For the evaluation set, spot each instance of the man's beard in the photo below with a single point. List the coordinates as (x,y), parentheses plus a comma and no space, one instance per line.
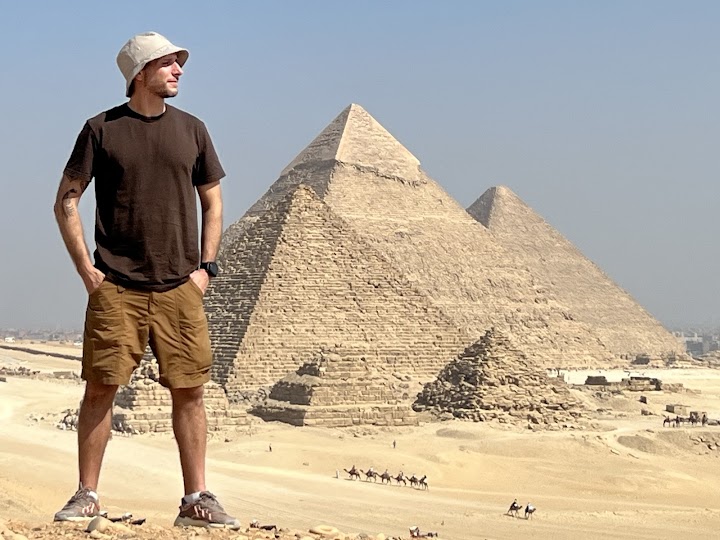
(162,91)
(165,93)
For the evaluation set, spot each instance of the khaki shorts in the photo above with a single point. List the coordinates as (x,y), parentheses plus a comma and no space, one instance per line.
(120,322)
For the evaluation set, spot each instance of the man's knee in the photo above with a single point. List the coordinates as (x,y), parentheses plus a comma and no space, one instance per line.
(188,396)
(98,393)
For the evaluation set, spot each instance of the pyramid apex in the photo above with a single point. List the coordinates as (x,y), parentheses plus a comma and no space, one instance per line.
(499,191)
(354,137)
(483,208)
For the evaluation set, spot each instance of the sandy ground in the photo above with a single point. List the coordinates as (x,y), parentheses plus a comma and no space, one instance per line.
(630,478)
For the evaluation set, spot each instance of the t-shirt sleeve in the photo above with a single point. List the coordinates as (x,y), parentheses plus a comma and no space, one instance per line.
(207,167)
(80,164)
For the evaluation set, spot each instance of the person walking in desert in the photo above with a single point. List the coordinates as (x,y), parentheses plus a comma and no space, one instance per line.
(150,161)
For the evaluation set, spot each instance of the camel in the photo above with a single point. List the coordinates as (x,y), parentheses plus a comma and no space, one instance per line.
(667,421)
(413,480)
(370,474)
(386,477)
(401,478)
(514,509)
(529,511)
(422,482)
(353,472)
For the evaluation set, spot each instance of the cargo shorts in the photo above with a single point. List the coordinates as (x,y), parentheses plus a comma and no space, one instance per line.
(121,322)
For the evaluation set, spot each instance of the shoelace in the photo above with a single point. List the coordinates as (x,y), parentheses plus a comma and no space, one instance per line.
(79,494)
(211,500)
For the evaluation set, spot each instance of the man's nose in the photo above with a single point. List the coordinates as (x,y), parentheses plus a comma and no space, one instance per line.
(177,70)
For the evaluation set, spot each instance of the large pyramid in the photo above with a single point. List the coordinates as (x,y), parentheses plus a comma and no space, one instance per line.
(590,295)
(420,238)
(299,280)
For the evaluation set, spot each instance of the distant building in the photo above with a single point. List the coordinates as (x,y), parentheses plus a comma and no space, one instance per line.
(698,344)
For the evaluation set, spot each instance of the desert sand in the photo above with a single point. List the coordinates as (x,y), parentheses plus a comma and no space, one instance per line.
(628,477)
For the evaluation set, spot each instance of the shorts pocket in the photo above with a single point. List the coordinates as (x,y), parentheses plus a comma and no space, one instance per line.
(195,287)
(193,324)
(104,317)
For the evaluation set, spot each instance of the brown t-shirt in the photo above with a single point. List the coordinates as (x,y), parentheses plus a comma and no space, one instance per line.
(146,171)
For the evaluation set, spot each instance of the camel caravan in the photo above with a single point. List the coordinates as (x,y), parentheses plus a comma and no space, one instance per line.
(515,508)
(694,419)
(371,474)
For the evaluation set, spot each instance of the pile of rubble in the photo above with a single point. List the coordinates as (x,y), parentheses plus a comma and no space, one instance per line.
(27,373)
(19,371)
(105,528)
(339,388)
(711,359)
(493,381)
(145,406)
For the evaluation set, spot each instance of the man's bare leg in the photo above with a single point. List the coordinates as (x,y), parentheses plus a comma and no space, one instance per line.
(94,424)
(190,427)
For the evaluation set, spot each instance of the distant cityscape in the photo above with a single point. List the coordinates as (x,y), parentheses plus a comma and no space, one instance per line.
(10,335)
(697,341)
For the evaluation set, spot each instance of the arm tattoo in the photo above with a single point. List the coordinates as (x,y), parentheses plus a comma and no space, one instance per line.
(73,193)
(68,207)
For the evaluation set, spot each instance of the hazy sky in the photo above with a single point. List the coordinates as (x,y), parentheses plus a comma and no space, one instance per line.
(601,116)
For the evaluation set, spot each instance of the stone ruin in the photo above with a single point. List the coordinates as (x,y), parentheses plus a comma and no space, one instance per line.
(677,408)
(25,372)
(591,297)
(336,389)
(633,383)
(711,359)
(494,381)
(19,371)
(145,405)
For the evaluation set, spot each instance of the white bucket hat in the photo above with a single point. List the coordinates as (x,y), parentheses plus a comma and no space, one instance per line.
(144,48)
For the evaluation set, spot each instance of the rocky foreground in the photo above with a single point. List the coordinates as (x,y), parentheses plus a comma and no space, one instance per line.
(101,528)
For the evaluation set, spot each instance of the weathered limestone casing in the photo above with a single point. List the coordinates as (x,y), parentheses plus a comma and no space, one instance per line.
(590,295)
(299,280)
(338,389)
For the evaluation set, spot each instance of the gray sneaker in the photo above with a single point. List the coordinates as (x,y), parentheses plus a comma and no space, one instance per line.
(206,512)
(81,506)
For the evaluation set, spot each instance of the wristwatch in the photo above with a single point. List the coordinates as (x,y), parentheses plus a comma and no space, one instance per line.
(211,268)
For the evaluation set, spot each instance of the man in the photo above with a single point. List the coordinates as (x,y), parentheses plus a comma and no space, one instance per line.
(514,508)
(148,280)
(529,511)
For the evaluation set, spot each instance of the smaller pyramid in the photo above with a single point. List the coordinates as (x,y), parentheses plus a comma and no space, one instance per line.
(493,381)
(591,297)
(145,406)
(338,389)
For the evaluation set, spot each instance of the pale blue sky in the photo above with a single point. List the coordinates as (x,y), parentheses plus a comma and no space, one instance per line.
(602,116)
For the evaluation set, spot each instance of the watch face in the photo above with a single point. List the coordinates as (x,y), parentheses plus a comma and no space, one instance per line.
(211,268)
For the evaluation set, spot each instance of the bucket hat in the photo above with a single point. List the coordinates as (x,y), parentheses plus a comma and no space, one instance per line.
(144,48)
